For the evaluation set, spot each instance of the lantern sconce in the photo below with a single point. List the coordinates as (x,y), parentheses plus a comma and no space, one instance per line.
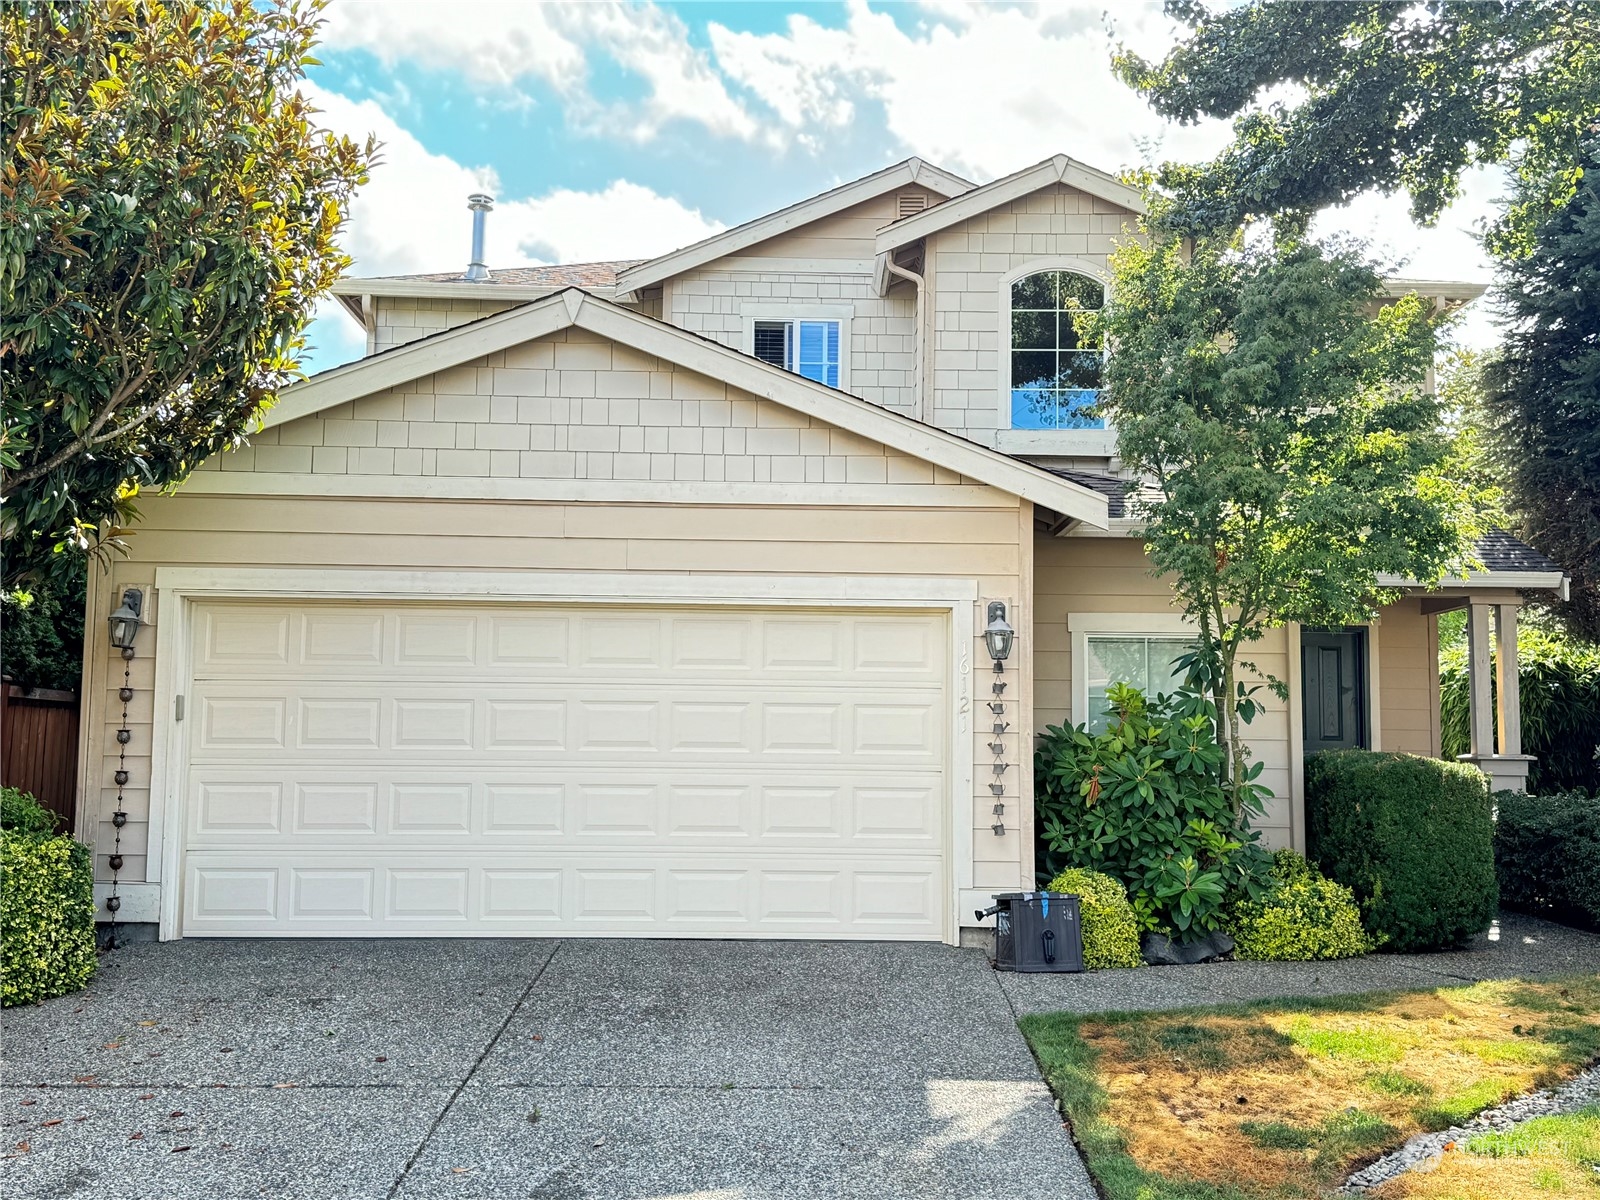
(125,621)
(998,635)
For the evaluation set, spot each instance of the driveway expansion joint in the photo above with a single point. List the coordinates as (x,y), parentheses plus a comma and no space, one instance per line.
(522,999)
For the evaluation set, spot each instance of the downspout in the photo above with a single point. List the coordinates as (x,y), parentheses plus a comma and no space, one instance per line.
(919,392)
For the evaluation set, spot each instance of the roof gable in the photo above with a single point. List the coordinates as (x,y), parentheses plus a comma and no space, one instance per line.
(786,220)
(1058,169)
(572,307)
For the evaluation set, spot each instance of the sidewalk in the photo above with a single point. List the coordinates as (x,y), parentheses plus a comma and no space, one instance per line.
(1515,947)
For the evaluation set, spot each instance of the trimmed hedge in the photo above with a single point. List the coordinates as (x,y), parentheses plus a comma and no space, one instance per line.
(1304,918)
(1547,854)
(1412,837)
(46,906)
(1110,930)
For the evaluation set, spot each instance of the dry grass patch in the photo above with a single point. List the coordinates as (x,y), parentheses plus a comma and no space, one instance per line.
(1285,1098)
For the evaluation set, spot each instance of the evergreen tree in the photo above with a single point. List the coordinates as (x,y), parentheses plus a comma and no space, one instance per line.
(1542,395)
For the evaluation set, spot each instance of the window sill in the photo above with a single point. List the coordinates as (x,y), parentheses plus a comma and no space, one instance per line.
(1100,443)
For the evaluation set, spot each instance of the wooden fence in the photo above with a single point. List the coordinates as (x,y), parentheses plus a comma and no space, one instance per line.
(39,746)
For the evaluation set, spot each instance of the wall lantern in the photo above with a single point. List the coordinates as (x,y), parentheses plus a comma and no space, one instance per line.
(125,621)
(998,635)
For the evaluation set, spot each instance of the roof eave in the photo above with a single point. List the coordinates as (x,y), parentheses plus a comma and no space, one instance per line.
(1057,169)
(731,241)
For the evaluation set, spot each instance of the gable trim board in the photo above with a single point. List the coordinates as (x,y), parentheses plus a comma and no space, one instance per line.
(182,589)
(574,307)
(1058,169)
(731,241)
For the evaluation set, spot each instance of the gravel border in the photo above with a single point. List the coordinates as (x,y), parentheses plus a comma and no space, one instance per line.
(1428,1148)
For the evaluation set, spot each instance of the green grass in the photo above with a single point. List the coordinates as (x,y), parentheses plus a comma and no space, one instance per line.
(1572,1136)
(1446,1111)
(1360,1046)
(1397,1083)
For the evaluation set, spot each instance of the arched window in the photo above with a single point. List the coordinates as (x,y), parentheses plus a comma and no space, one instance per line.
(1055,374)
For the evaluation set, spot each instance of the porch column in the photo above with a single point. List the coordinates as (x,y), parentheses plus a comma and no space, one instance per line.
(1508,695)
(1505,764)
(1480,721)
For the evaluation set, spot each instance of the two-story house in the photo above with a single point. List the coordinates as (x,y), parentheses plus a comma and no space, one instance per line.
(719,594)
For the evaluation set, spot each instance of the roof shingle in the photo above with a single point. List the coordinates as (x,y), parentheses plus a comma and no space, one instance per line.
(553,275)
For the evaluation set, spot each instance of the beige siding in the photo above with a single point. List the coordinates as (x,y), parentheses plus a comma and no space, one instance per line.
(814,271)
(547,394)
(966,264)
(1112,575)
(400,319)
(1407,659)
(852,233)
(574,406)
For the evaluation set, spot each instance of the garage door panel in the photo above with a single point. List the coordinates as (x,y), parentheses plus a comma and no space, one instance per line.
(435,641)
(531,723)
(385,769)
(391,895)
(397,806)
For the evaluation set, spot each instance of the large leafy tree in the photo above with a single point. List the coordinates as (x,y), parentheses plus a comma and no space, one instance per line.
(1279,407)
(1333,99)
(1541,399)
(169,220)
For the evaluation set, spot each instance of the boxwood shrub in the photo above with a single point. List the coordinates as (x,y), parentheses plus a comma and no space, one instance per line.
(1110,930)
(46,906)
(1411,837)
(1304,917)
(1547,854)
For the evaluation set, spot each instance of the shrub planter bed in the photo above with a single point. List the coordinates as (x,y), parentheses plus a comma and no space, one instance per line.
(46,906)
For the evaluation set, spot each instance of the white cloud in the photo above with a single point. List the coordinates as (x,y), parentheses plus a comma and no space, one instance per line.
(412,216)
(980,89)
(501,46)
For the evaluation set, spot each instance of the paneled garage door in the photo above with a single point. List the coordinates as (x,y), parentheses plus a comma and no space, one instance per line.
(385,769)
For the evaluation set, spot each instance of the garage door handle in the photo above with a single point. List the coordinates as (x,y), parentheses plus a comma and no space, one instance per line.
(1049,946)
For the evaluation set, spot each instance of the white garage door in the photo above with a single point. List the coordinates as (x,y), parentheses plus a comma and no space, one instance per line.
(384,769)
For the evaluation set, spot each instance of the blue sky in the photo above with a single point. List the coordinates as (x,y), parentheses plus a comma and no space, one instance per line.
(625,130)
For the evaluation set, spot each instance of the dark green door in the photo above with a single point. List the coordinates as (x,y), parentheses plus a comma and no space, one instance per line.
(1333,678)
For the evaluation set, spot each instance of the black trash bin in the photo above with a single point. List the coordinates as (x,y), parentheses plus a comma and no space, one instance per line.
(1036,931)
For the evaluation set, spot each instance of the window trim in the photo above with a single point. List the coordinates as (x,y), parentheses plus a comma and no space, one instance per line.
(1024,441)
(1083,626)
(749,314)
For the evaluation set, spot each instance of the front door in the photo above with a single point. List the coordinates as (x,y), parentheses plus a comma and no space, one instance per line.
(1333,674)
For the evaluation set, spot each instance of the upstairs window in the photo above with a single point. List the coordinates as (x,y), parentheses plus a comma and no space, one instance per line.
(809,348)
(1055,374)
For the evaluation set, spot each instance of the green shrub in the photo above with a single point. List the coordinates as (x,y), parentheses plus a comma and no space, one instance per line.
(46,905)
(21,813)
(1559,684)
(1547,854)
(1144,803)
(1411,837)
(1110,930)
(1305,917)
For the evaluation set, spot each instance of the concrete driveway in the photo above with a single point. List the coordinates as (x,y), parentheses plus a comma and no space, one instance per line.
(616,1069)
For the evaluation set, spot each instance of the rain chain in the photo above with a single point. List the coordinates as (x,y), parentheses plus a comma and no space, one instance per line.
(119,818)
(997,787)
(997,638)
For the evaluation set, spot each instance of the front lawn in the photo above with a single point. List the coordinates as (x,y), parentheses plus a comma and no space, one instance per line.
(1283,1099)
